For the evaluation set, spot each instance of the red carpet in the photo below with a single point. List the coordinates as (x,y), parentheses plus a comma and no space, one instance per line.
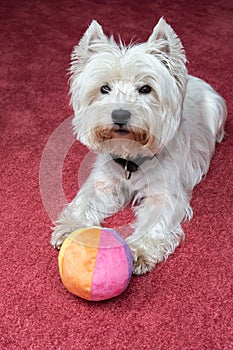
(185,303)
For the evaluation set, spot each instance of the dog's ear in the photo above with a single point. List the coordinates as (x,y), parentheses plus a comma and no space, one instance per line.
(165,40)
(94,35)
(90,43)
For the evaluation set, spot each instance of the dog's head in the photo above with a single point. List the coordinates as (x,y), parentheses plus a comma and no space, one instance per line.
(127,98)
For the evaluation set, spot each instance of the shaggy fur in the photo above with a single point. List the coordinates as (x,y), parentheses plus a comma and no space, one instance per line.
(138,104)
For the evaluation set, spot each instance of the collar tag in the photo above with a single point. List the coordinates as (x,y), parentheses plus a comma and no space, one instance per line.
(127,172)
(130,166)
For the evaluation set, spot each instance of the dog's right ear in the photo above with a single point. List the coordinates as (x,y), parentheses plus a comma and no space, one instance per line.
(90,43)
(93,36)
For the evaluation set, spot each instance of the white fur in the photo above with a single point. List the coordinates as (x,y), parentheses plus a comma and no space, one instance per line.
(182,118)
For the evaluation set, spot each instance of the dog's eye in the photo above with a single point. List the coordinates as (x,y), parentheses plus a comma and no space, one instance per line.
(105,89)
(145,89)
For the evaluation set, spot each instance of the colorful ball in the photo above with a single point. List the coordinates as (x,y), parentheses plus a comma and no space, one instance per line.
(95,263)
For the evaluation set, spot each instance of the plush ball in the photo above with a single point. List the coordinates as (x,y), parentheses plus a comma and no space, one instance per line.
(95,263)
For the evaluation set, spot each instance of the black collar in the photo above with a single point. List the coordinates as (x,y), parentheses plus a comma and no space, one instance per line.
(130,166)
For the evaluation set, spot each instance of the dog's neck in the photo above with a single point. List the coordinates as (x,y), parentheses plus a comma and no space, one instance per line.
(130,165)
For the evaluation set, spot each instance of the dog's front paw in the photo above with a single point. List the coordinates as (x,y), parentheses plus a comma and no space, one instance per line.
(61,230)
(143,261)
(58,237)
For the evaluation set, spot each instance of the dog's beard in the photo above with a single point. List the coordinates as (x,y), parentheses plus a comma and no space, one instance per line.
(124,141)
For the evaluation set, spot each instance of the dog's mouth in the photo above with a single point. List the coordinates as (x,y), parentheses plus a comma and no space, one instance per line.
(124,132)
(121,131)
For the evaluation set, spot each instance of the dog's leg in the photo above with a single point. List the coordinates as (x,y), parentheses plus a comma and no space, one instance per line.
(157,230)
(96,200)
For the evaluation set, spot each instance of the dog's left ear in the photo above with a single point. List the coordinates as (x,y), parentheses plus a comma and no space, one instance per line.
(164,39)
(165,45)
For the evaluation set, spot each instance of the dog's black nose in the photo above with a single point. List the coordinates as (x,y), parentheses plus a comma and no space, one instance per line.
(120,116)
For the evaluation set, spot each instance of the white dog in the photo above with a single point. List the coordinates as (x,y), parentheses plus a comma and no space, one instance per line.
(154,128)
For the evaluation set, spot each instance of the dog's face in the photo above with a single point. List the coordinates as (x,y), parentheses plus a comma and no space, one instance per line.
(127,99)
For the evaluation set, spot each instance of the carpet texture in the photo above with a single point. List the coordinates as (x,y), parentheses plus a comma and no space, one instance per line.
(186,302)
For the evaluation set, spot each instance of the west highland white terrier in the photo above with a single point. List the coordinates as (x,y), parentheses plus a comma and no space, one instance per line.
(154,129)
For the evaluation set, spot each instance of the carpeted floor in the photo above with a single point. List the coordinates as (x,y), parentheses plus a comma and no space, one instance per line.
(185,303)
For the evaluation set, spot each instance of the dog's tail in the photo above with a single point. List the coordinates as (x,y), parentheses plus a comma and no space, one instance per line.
(217,113)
